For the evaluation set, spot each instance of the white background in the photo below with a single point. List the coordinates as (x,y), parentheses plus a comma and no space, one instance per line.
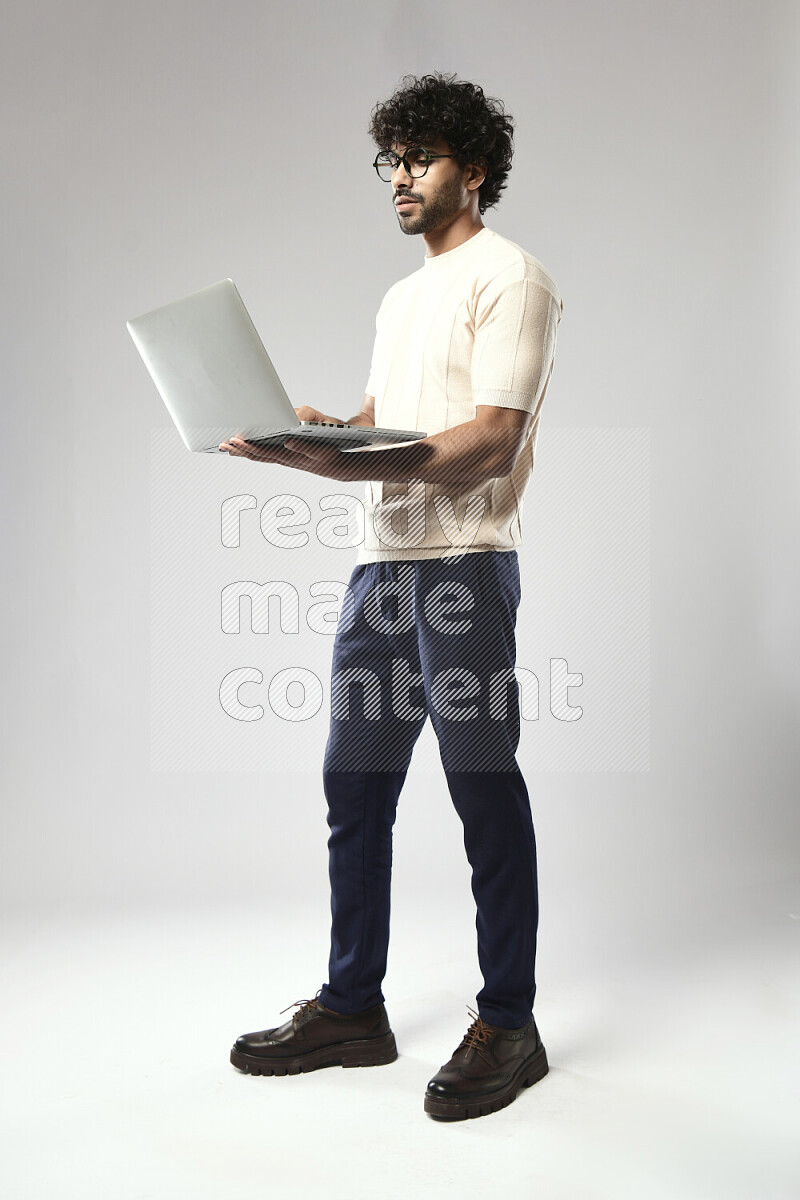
(152,915)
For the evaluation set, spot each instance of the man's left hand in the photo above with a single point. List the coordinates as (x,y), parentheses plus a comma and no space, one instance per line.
(298,453)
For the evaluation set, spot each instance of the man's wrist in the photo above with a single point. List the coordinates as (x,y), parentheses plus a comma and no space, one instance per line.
(361,419)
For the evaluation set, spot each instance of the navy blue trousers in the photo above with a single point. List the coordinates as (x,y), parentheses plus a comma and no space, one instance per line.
(418,638)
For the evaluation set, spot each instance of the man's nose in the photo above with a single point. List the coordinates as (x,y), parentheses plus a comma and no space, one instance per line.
(400,175)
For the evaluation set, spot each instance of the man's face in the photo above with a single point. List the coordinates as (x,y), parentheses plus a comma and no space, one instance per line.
(438,197)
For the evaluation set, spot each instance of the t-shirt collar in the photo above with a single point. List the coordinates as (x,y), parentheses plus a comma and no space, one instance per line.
(436,260)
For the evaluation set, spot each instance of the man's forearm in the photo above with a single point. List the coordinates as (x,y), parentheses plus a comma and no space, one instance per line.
(456,456)
(361,418)
(466,455)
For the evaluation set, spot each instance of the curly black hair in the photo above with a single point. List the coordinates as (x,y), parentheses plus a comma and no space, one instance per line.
(476,128)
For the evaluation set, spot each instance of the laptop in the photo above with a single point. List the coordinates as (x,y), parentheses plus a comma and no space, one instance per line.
(213,373)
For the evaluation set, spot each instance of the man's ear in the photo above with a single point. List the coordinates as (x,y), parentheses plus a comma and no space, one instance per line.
(479,170)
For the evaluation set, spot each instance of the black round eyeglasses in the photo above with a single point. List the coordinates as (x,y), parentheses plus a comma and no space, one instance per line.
(416,162)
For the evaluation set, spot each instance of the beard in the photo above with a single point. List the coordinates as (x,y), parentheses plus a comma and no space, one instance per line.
(429,214)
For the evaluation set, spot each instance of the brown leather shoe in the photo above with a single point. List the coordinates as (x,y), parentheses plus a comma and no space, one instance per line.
(486,1071)
(314,1037)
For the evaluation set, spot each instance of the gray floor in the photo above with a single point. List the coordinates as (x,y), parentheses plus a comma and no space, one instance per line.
(680,1082)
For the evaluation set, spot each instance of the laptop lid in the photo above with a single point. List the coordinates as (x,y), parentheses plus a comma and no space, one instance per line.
(211,368)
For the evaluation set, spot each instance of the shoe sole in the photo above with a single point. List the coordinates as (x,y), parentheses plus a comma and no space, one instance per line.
(461,1108)
(368,1052)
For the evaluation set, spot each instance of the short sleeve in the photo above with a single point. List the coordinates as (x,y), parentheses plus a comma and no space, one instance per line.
(515,341)
(376,368)
(373,366)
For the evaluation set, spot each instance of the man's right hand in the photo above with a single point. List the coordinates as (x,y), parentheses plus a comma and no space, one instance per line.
(307,413)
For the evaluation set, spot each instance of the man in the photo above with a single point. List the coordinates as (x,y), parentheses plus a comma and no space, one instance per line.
(464,349)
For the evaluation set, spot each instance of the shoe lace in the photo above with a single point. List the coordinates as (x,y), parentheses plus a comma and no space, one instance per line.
(477,1036)
(305,1006)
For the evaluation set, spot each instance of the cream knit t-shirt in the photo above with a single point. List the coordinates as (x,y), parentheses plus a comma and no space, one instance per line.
(475,325)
